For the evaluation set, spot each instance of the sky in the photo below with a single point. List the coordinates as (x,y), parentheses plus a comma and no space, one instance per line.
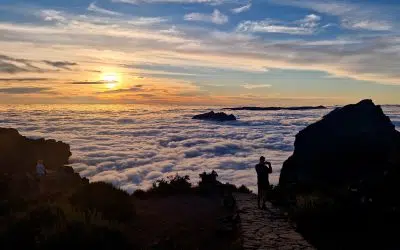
(200,52)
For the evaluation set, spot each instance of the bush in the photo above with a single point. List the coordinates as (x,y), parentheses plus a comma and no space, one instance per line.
(140,194)
(173,185)
(208,179)
(244,189)
(60,226)
(208,185)
(99,197)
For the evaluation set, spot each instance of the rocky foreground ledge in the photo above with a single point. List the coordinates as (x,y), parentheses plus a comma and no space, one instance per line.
(266,229)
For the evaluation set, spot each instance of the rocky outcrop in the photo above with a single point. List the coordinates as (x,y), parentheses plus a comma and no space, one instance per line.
(350,144)
(212,116)
(18,153)
(277,108)
(343,180)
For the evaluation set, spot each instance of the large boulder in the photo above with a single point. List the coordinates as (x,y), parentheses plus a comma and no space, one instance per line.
(212,116)
(352,144)
(20,154)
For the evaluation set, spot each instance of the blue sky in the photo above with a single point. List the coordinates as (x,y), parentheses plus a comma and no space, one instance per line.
(202,52)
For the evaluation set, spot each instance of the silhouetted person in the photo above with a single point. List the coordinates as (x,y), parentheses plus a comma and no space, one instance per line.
(263,169)
(40,169)
(40,174)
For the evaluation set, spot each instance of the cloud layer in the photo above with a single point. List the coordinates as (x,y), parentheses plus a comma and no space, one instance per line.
(215,17)
(132,145)
(306,26)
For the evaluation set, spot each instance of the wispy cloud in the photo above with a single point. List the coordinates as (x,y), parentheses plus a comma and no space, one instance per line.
(23,90)
(352,16)
(13,65)
(349,23)
(60,64)
(306,26)
(256,86)
(27,79)
(93,7)
(210,2)
(216,17)
(93,82)
(52,15)
(6,67)
(147,20)
(241,9)
(135,88)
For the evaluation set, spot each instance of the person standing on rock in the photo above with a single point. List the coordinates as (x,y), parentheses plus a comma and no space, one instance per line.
(263,169)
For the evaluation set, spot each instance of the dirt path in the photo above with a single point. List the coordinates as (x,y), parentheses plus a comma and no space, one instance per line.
(266,229)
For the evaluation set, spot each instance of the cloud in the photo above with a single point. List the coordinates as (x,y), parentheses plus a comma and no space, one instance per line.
(256,86)
(23,90)
(310,21)
(126,1)
(210,2)
(366,25)
(93,82)
(133,146)
(241,9)
(306,26)
(10,68)
(127,90)
(13,65)
(92,40)
(27,79)
(352,16)
(147,20)
(60,64)
(93,7)
(147,95)
(52,15)
(216,17)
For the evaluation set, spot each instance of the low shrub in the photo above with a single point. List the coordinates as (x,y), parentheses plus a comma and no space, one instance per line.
(103,198)
(140,194)
(244,189)
(60,226)
(171,186)
(208,185)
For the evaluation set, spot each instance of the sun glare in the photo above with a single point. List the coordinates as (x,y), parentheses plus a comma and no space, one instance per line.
(110,80)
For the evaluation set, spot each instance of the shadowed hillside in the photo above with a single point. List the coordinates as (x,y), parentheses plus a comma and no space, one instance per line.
(64,211)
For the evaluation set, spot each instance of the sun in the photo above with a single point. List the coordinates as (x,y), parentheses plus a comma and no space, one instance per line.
(110,80)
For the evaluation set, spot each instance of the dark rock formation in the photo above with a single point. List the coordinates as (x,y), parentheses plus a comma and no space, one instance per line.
(212,116)
(84,217)
(349,144)
(18,159)
(277,108)
(18,153)
(343,180)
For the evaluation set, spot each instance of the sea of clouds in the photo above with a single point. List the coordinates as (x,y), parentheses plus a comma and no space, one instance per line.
(131,146)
